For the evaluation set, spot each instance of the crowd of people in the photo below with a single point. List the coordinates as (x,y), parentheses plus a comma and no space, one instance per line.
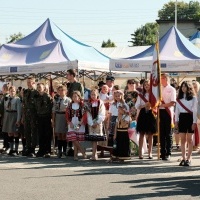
(101,115)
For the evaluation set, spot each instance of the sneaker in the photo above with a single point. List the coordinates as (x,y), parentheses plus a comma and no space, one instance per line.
(47,155)
(16,153)
(187,163)
(11,153)
(64,155)
(4,151)
(182,163)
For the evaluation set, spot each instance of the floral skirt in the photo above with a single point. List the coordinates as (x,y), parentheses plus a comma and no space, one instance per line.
(75,136)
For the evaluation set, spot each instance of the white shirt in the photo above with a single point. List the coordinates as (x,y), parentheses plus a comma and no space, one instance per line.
(169,95)
(75,120)
(114,108)
(191,105)
(140,101)
(104,97)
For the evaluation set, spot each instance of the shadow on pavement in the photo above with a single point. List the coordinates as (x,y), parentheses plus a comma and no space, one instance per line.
(170,187)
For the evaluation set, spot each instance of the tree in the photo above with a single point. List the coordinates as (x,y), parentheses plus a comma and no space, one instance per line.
(146,35)
(185,11)
(14,37)
(108,44)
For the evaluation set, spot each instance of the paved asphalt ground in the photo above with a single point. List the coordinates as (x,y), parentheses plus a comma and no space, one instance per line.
(25,178)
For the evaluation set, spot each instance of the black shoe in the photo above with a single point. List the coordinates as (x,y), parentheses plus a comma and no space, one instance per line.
(30,152)
(182,163)
(31,155)
(70,152)
(167,158)
(60,155)
(39,154)
(24,152)
(162,157)
(187,163)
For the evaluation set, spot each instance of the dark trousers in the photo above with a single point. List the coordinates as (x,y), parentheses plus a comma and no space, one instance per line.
(165,133)
(45,134)
(30,129)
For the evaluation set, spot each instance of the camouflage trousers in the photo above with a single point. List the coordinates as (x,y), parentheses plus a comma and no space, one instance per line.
(30,129)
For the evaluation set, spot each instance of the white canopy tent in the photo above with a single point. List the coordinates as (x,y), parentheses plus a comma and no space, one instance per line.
(49,49)
(177,54)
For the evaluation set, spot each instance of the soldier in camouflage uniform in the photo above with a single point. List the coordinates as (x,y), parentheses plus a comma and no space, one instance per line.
(44,104)
(30,117)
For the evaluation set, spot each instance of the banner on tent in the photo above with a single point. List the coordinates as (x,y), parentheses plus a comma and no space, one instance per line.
(39,68)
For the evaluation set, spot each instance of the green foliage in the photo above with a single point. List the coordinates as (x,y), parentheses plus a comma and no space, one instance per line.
(185,11)
(108,44)
(146,35)
(14,37)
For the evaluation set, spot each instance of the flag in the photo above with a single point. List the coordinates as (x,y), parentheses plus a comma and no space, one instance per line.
(155,89)
(51,90)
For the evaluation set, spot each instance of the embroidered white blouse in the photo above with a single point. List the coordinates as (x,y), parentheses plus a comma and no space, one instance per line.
(101,115)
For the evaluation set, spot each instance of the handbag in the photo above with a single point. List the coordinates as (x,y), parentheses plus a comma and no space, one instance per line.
(132,129)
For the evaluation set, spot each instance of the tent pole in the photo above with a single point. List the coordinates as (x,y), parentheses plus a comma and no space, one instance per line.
(78,73)
(176,14)
(146,75)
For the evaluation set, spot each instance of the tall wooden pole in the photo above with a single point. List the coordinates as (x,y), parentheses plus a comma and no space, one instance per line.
(160,95)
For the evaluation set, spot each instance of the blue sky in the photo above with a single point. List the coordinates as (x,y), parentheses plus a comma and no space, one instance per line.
(89,21)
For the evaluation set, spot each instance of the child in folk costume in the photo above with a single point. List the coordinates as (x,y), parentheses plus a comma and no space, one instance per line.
(12,118)
(113,113)
(60,103)
(76,118)
(145,116)
(122,150)
(107,99)
(95,117)
(186,119)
